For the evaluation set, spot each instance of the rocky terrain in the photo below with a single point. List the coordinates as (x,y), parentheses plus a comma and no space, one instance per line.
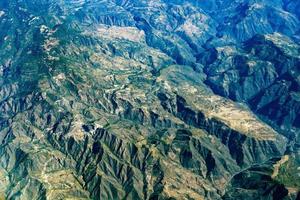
(149,99)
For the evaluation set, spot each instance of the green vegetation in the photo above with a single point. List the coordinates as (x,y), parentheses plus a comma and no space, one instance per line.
(289,174)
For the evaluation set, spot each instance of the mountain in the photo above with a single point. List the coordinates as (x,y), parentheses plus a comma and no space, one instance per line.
(149,99)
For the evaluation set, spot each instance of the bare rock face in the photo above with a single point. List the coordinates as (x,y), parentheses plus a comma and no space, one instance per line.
(128,99)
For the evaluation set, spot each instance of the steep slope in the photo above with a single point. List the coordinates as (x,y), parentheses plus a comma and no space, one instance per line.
(275,179)
(264,73)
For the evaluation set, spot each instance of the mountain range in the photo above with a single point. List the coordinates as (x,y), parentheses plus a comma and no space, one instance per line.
(150,99)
